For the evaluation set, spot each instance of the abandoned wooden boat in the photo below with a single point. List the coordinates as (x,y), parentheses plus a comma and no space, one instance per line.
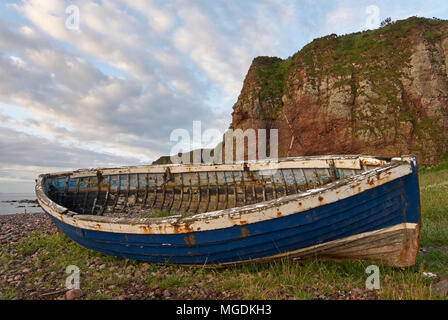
(355,207)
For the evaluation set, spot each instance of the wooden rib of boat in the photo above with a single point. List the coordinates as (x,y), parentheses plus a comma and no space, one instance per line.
(339,207)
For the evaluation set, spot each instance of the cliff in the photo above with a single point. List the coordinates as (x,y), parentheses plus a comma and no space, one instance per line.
(380,92)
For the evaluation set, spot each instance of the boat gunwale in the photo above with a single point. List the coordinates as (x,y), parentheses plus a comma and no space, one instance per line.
(179,224)
(251,165)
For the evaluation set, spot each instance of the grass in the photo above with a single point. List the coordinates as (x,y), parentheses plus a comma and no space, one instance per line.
(157,213)
(434,202)
(107,277)
(161,213)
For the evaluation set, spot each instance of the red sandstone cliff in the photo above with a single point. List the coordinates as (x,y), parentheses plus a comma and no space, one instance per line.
(379,92)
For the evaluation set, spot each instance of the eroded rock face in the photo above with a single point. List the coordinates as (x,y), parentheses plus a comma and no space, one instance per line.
(381,92)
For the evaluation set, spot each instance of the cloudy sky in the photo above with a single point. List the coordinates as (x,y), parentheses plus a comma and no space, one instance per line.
(109,90)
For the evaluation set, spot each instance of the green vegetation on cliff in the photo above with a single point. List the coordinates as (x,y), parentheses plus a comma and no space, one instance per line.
(272,73)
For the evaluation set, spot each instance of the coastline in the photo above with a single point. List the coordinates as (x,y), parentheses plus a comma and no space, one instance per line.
(18,203)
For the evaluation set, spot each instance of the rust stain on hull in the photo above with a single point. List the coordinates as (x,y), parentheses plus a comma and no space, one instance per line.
(279,213)
(184,228)
(190,240)
(146,229)
(244,232)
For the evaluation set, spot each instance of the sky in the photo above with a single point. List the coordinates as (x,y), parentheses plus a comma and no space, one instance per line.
(104,83)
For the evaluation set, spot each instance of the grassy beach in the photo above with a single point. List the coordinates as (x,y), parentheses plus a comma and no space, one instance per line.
(35,255)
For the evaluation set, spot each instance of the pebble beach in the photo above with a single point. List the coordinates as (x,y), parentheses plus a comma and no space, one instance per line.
(13,227)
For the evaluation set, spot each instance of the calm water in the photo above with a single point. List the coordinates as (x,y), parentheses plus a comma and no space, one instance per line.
(15,207)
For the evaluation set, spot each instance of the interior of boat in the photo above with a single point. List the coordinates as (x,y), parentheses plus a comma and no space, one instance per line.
(164,190)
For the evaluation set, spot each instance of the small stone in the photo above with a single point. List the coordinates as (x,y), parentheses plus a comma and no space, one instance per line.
(73,294)
(166,293)
(138,273)
(11,262)
(26,270)
(429,275)
(440,288)
(155,287)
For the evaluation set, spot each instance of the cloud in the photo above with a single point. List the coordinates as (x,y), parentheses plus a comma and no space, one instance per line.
(39,152)
(341,15)
(345,20)
(23,157)
(113,91)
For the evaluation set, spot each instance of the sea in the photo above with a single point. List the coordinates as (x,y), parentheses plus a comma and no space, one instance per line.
(7,207)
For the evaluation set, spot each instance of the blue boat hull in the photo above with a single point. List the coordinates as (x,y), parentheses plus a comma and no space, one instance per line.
(384,206)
